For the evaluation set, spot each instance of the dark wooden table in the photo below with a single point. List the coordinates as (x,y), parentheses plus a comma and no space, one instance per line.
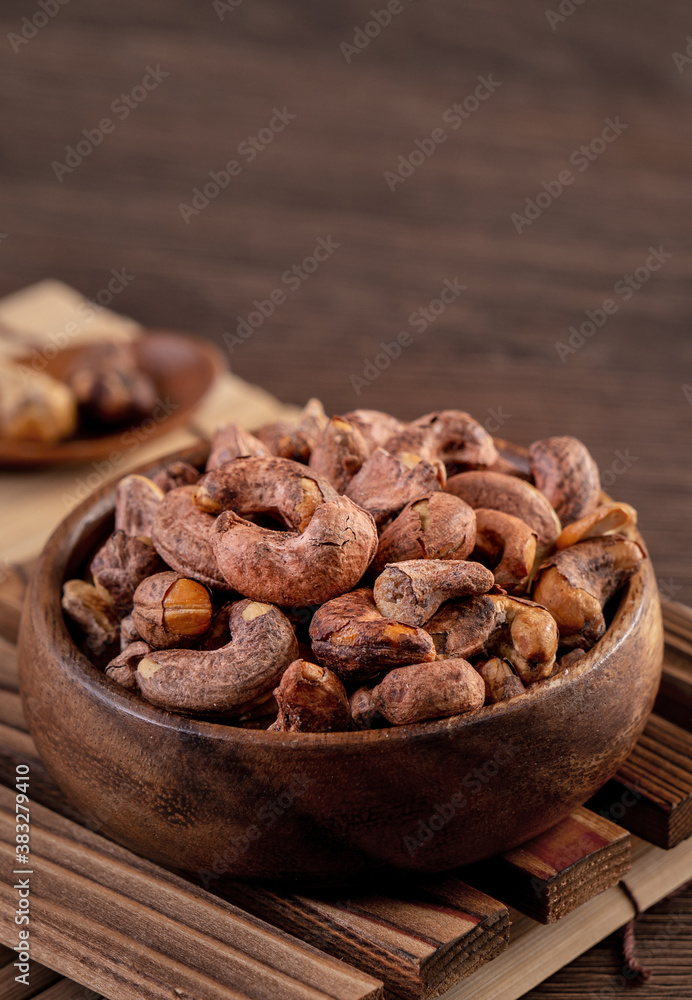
(242,69)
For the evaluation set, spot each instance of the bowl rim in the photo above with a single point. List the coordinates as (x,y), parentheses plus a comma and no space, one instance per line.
(52,567)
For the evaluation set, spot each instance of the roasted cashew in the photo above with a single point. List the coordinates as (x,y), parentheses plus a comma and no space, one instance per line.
(507,545)
(428,691)
(511,495)
(412,591)
(339,453)
(460,629)
(123,668)
(567,475)
(230,679)
(171,611)
(174,475)
(436,526)
(350,636)
(449,436)
(293,569)
(95,617)
(386,483)
(375,426)
(231,442)
(295,439)
(501,683)
(311,699)
(119,567)
(526,635)
(286,490)
(604,520)
(182,535)
(137,499)
(576,583)
(363,711)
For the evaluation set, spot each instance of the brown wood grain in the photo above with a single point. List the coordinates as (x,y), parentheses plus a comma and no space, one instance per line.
(39,979)
(549,876)
(163,930)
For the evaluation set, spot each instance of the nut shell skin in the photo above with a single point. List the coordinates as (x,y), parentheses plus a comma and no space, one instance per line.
(339,453)
(295,440)
(122,668)
(350,636)
(435,526)
(292,569)
(228,680)
(96,618)
(567,475)
(460,629)
(429,691)
(386,483)
(119,567)
(508,546)
(363,711)
(412,591)
(512,495)
(182,535)
(311,699)
(171,611)
(137,500)
(230,442)
(176,474)
(375,426)
(450,436)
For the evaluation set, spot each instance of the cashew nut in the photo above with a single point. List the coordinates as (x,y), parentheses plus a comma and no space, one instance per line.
(295,440)
(311,699)
(526,635)
(119,567)
(339,453)
(363,711)
(230,442)
(429,691)
(128,633)
(94,616)
(375,426)
(136,501)
(511,495)
(460,629)
(450,436)
(171,610)
(230,679)
(567,475)
(604,520)
(412,591)
(174,475)
(182,536)
(507,545)
(501,683)
(576,583)
(34,406)
(350,635)
(437,526)
(123,668)
(386,483)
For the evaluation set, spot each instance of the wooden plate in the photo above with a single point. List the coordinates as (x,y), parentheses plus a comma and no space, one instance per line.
(325,807)
(182,368)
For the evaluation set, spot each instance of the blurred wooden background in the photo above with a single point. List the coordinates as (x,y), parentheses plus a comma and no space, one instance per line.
(493,350)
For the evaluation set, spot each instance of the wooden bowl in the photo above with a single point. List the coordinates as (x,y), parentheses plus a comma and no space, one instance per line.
(182,368)
(327,808)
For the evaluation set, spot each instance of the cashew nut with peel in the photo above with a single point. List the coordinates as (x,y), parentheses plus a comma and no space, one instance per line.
(95,617)
(339,453)
(230,679)
(182,536)
(567,475)
(137,500)
(501,683)
(507,545)
(123,668)
(386,482)
(605,519)
(363,711)
(311,699)
(120,565)
(424,691)
(171,610)
(375,426)
(449,436)
(295,439)
(575,584)
(498,491)
(350,636)
(460,629)
(436,526)
(412,591)
(525,634)
(174,475)
(230,442)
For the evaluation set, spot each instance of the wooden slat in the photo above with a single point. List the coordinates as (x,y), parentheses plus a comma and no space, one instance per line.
(39,979)
(652,792)
(419,944)
(67,989)
(149,933)
(556,872)
(13,584)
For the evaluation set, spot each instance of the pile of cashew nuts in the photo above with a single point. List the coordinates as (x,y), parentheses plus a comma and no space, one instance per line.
(354,573)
